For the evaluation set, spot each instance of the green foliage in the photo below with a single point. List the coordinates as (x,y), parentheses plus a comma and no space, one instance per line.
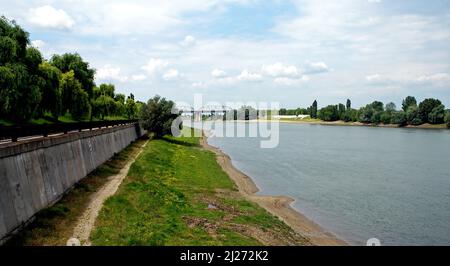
(427,106)
(20,85)
(408,102)
(51,91)
(413,117)
(313,110)
(103,106)
(329,113)
(348,104)
(131,108)
(157,116)
(371,113)
(74,98)
(391,107)
(437,115)
(82,72)
(399,118)
(385,118)
(447,118)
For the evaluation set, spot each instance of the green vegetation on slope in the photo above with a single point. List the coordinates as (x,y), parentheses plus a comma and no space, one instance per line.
(177,194)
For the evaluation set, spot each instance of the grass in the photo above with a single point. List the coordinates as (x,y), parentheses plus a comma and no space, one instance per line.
(176,194)
(54,225)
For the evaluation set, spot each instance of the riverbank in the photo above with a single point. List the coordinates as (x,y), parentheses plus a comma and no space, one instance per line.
(176,193)
(279,206)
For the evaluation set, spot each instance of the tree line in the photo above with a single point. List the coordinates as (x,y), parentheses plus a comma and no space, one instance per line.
(430,111)
(33,87)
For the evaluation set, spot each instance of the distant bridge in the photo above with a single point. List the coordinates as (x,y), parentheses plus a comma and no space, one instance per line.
(207,109)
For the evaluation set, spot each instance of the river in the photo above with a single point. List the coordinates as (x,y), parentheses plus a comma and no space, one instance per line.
(357,182)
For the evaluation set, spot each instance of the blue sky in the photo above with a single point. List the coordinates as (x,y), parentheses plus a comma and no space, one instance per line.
(291,52)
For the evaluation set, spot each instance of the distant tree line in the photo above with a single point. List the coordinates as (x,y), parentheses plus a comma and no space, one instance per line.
(430,111)
(32,87)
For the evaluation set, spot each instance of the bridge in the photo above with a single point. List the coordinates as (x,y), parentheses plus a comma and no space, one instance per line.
(207,109)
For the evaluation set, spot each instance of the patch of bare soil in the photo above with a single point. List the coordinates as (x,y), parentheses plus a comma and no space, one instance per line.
(86,221)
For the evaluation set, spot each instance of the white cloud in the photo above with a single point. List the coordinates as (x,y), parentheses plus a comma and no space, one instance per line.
(218,73)
(281,70)
(108,73)
(155,65)
(171,74)
(315,68)
(438,79)
(49,17)
(188,41)
(290,81)
(199,84)
(37,44)
(138,77)
(374,77)
(249,76)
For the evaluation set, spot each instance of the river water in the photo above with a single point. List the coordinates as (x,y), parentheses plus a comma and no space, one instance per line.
(357,182)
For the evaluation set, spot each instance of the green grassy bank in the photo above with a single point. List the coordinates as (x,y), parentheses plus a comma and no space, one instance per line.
(177,194)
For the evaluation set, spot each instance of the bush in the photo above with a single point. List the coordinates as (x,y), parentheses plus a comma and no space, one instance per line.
(399,118)
(157,116)
(447,118)
(329,113)
(385,118)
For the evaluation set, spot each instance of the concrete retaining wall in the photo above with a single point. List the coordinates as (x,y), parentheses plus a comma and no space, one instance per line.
(35,174)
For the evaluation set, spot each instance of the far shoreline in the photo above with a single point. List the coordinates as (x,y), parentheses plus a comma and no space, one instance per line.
(354,124)
(279,206)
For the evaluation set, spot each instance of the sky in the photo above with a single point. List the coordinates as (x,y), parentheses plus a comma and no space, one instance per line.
(290,52)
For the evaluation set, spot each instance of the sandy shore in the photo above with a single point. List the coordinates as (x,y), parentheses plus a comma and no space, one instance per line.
(279,206)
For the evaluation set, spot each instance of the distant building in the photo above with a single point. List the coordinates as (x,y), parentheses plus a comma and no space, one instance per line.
(290,116)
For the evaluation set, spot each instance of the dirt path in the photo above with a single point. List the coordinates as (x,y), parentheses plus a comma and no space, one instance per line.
(279,206)
(85,223)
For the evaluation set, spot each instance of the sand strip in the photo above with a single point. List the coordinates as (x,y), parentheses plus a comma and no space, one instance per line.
(279,206)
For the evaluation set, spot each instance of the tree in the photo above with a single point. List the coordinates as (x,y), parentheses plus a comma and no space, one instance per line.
(107,90)
(385,117)
(412,116)
(407,102)
(74,98)
(341,111)
(329,113)
(313,110)
(83,73)
(426,107)
(437,115)
(103,106)
(51,91)
(20,84)
(447,118)
(349,104)
(80,107)
(130,107)
(157,116)
(371,113)
(399,118)
(391,107)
